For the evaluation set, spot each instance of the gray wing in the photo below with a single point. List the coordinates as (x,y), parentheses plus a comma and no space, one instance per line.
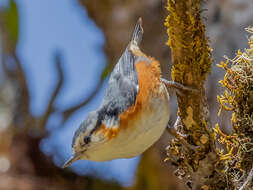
(123,86)
(123,83)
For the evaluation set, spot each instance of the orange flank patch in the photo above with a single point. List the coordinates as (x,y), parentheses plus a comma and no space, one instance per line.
(109,133)
(149,74)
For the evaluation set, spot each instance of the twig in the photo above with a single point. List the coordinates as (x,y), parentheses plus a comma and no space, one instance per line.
(20,74)
(23,102)
(249,179)
(50,107)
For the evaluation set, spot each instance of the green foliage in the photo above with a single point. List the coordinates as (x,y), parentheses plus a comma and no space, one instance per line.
(12,23)
(107,70)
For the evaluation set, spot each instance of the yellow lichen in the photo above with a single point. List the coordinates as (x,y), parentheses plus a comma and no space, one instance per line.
(238,98)
(191,64)
(181,39)
(204,139)
(204,187)
(188,120)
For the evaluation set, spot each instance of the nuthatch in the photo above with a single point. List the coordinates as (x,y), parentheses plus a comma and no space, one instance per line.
(134,112)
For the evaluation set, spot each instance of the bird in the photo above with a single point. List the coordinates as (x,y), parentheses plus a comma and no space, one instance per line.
(134,112)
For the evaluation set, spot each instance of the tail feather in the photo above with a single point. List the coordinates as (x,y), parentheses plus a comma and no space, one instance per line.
(126,63)
(138,32)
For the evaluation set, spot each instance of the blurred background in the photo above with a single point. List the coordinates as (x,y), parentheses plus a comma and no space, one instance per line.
(55,60)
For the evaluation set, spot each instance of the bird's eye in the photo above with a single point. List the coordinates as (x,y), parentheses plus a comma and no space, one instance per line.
(86,139)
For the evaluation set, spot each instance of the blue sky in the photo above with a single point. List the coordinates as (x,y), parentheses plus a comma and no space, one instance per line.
(45,27)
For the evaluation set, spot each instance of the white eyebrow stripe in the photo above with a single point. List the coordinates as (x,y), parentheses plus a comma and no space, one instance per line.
(111,122)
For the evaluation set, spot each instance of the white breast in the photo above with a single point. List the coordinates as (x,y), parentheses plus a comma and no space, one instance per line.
(136,139)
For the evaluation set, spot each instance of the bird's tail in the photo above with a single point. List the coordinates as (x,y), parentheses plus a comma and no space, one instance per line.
(138,32)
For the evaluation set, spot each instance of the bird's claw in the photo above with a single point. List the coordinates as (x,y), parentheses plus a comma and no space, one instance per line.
(181,137)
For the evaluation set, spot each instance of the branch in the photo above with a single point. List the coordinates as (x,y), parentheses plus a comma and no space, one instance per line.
(20,74)
(22,111)
(191,64)
(50,108)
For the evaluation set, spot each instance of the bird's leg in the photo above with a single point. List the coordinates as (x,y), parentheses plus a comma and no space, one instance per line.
(177,86)
(181,137)
(174,130)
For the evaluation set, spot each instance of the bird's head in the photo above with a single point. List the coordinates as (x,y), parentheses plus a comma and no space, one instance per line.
(85,138)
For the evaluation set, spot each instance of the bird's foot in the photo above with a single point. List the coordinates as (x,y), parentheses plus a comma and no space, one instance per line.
(181,137)
(178,87)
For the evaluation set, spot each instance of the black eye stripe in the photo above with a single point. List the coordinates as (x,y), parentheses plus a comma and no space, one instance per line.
(86,139)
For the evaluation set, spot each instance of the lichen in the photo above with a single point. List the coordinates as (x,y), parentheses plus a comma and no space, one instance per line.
(187,39)
(191,63)
(208,166)
(188,120)
(238,98)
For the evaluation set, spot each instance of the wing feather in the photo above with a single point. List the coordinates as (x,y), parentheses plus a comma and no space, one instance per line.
(123,83)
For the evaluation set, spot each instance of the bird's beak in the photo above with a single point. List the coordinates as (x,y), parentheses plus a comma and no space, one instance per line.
(74,158)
